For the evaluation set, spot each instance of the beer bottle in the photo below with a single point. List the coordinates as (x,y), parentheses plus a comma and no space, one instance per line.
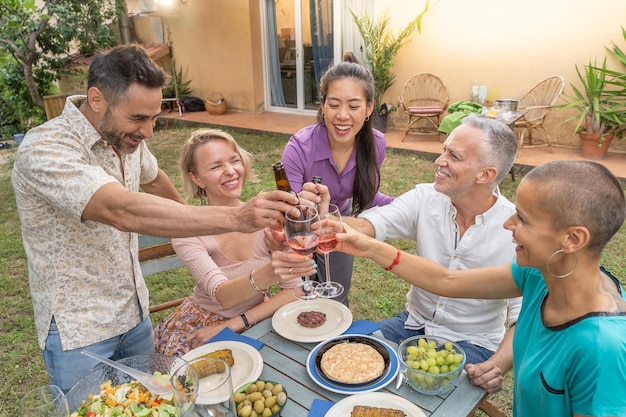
(282,182)
(321,208)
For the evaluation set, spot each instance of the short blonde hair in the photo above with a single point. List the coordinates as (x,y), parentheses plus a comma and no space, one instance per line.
(188,161)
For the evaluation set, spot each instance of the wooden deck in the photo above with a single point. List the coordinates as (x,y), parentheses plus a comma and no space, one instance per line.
(428,145)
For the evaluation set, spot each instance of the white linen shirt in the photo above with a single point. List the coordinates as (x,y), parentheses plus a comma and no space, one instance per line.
(428,216)
(84,273)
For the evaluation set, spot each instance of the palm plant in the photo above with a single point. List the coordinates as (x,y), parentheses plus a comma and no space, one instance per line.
(176,85)
(381,47)
(600,102)
(617,52)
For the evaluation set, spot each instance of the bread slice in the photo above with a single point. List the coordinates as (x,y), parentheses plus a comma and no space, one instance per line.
(367,411)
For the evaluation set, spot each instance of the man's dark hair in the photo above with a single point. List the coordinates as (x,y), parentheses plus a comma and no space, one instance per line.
(112,72)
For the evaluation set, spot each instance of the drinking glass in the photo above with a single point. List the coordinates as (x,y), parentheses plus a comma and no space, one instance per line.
(184,382)
(327,243)
(215,390)
(301,233)
(45,401)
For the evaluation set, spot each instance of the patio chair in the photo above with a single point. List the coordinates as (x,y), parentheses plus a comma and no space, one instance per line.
(54,105)
(424,97)
(536,104)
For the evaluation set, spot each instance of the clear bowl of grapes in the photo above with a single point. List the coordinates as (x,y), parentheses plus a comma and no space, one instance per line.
(431,365)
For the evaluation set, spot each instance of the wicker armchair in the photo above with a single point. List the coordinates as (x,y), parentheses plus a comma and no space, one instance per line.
(536,104)
(424,97)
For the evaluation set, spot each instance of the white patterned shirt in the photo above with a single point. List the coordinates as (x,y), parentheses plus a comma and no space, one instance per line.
(428,217)
(85,274)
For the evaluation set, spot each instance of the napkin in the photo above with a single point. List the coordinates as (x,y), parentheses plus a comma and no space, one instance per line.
(362,327)
(319,408)
(227,334)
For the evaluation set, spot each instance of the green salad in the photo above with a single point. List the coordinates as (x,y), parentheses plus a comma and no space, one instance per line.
(130,399)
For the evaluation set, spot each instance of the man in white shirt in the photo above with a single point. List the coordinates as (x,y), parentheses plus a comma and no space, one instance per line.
(457,222)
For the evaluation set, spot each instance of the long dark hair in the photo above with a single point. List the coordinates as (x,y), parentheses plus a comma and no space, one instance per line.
(367,177)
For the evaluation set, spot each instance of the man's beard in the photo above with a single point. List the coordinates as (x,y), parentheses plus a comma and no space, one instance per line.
(114,137)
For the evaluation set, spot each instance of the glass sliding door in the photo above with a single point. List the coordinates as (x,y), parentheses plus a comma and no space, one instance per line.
(299,48)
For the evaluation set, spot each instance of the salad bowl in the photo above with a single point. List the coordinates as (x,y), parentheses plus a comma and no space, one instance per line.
(91,383)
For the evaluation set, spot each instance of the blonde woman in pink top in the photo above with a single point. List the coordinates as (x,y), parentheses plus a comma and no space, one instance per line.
(233,271)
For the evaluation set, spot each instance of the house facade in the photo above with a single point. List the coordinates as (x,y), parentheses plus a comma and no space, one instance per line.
(268,55)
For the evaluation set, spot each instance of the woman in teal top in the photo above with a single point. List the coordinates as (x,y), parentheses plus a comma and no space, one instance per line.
(577,367)
(569,350)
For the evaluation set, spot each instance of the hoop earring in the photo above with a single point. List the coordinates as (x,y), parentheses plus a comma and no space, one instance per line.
(203,201)
(564,275)
(367,119)
(322,116)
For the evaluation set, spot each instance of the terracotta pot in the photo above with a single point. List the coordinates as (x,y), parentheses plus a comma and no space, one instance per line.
(590,145)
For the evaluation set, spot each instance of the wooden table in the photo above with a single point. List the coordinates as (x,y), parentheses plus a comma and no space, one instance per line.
(285,362)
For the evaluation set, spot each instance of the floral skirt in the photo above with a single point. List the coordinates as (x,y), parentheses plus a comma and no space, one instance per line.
(170,336)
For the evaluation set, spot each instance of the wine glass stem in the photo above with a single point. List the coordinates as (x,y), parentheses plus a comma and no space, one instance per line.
(327,266)
(306,285)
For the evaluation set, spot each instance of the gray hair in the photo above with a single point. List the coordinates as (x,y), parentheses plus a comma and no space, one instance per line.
(499,145)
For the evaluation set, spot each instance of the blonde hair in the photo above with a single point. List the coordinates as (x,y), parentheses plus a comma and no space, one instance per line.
(188,161)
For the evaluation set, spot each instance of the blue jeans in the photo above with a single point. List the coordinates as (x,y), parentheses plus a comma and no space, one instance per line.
(66,368)
(393,329)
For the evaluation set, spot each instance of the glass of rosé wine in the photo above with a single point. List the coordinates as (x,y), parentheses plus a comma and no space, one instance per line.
(301,234)
(327,243)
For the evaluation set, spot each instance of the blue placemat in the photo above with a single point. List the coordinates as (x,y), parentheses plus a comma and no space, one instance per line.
(319,408)
(362,327)
(227,334)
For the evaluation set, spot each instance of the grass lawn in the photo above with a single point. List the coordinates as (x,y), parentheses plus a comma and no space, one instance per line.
(375,294)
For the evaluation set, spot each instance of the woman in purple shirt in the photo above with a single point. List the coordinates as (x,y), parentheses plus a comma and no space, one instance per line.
(344,150)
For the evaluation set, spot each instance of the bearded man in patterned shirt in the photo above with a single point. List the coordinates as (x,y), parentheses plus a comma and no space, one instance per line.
(77,179)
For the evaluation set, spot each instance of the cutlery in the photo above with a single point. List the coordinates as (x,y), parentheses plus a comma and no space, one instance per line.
(400,380)
(154,384)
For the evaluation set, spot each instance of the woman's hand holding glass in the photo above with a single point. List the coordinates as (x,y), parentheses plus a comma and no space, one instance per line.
(289,265)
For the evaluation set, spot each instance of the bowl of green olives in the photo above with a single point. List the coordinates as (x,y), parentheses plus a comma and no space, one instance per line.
(260,399)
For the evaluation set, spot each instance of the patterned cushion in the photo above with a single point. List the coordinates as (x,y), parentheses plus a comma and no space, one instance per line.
(425,110)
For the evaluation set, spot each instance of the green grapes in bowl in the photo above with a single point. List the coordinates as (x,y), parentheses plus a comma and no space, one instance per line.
(260,399)
(432,365)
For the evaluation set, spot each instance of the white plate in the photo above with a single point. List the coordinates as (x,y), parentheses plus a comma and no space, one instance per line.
(248,361)
(390,373)
(285,320)
(375,399)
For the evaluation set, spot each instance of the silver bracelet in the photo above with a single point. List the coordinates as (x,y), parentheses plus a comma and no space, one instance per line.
(253,317)
(266,294)
(252,284)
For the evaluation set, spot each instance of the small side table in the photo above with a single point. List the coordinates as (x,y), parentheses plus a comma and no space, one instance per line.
(171,101)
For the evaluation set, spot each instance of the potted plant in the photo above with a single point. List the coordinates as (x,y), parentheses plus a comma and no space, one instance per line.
(601,107)
(381,46)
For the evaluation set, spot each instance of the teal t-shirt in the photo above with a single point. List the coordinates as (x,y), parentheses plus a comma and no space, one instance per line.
(578,367)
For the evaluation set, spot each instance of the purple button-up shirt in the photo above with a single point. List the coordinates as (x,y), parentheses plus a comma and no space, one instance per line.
(308,153)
